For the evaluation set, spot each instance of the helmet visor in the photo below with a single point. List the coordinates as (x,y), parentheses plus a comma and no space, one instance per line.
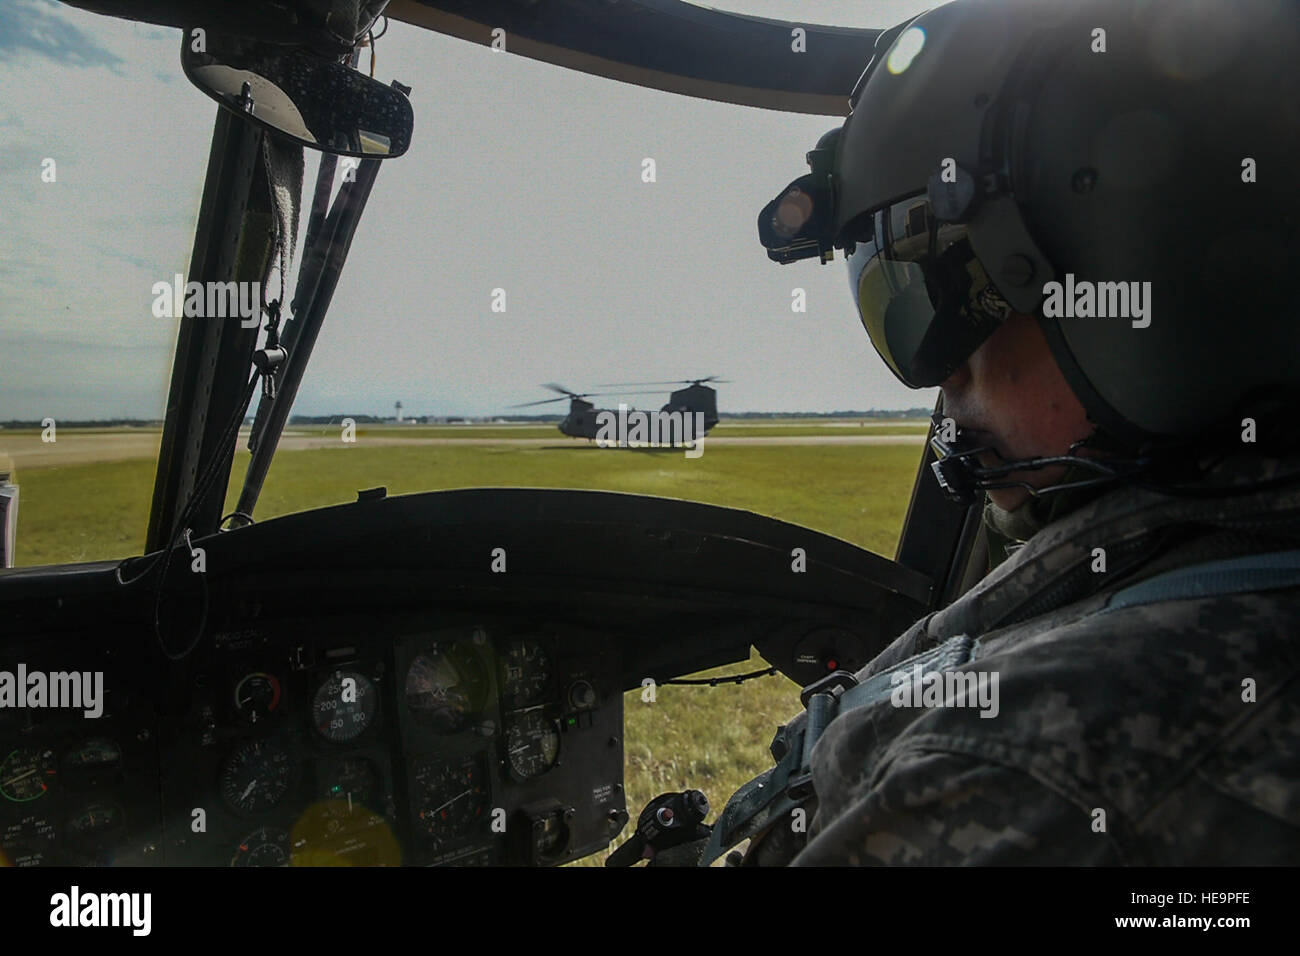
(922,295)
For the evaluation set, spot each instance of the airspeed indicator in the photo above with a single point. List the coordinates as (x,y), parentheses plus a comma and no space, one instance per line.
(344,705)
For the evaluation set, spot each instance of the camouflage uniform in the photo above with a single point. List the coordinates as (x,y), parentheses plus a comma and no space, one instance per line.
(1137,712)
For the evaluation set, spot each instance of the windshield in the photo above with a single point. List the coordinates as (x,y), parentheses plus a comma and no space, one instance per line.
(546,227)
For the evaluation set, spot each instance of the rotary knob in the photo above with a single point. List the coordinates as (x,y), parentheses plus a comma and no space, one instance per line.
(582,695)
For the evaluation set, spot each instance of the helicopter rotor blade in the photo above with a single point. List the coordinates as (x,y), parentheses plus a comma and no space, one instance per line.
(620,384)
(569,396)
(545,401)
(676,381)
(670,45)
(606,394)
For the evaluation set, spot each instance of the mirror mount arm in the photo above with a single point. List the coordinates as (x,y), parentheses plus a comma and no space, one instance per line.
(322,104)
(322,265)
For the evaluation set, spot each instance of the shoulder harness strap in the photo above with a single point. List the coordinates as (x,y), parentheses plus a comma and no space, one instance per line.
(1252,572)
(775,793)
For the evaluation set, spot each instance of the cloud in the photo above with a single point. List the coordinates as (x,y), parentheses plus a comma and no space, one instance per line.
(78,256)
(521,175)
(43,29)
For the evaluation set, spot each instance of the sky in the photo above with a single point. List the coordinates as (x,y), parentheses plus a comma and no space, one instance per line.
(521,175)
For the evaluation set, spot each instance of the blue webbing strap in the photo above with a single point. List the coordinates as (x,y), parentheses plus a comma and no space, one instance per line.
(1253,572)
(754,806)
(760,802)
(775,793)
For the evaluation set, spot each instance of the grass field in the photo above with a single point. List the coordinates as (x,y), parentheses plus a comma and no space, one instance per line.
(86,512)
(725,430)
(713,739)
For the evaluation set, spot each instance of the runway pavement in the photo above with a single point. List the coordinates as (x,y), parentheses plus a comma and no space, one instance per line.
(79,448)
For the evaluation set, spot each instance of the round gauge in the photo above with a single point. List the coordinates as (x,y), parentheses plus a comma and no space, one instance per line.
(344,706)
(256,696)
(353,779)
(532,744)
(92,763)
(27,774)
(452,797)
(268,846)
(96,752)
(527,674)
(97,824)
(28,842)
(256,776)
(446,686)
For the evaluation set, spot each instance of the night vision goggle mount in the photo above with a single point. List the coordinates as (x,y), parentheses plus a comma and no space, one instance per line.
(800,223)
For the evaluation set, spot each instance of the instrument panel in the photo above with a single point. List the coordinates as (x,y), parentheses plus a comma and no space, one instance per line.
(76,790)
(360,685)
(358,740)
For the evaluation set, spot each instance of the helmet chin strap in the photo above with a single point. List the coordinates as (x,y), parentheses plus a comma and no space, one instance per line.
(961,475)
(1182,468)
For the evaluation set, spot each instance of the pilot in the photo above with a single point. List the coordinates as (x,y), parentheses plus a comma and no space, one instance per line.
(1081,221)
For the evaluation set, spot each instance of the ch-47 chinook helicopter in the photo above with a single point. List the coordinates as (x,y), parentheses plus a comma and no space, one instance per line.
(585,420)
(370,649)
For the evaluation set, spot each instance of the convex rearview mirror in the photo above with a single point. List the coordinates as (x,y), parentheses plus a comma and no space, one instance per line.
(311,100)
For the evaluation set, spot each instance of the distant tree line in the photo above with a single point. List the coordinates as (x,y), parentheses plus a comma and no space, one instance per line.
(444,419)
(83,423)
(552,417)
(873,413)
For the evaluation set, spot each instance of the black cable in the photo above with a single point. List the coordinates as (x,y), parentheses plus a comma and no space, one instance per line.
(157,608)
(182,532)
(228,439)
(200,489)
